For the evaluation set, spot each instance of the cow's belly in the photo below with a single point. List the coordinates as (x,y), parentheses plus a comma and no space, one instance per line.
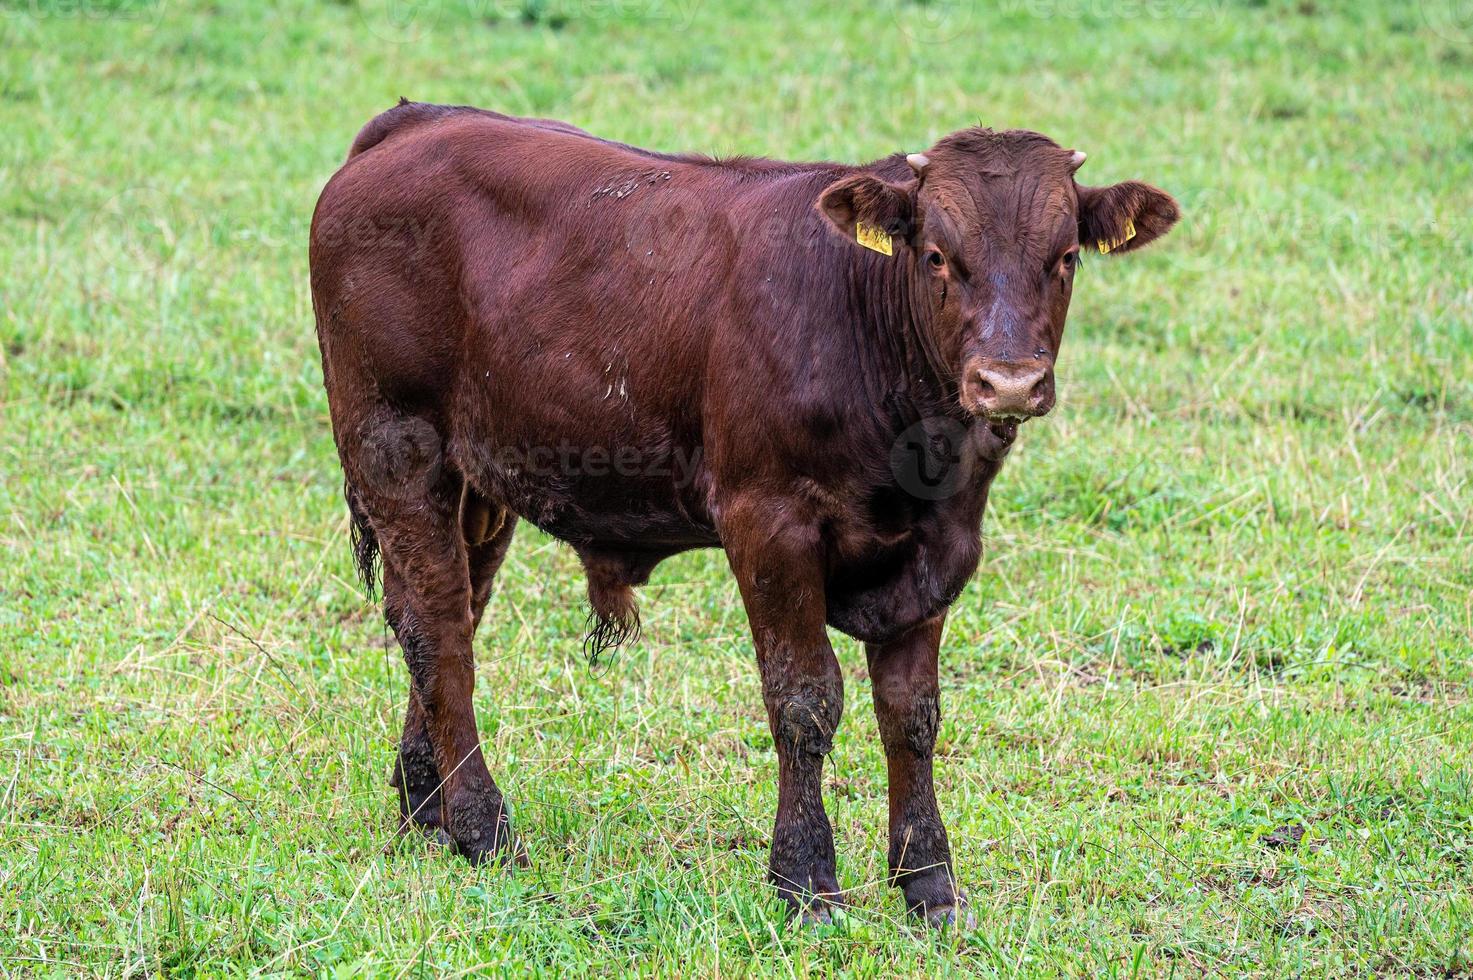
(595,498)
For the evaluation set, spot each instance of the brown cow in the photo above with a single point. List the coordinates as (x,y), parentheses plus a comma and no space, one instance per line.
(642,353)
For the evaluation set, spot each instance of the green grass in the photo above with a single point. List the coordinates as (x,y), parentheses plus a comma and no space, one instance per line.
(1226,589)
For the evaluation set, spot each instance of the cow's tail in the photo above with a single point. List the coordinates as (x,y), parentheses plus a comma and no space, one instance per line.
(365,542)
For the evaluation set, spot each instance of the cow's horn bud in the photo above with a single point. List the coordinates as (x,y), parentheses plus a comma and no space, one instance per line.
(918,162)
(1076,160)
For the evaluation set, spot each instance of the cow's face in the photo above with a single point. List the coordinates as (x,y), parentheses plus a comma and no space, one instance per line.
(990,229)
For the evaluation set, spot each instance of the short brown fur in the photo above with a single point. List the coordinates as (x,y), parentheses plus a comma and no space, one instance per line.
(643,353)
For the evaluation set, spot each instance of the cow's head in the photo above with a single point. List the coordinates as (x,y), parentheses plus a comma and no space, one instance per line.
(989,228)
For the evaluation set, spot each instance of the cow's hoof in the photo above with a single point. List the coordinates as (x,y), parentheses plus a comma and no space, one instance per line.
(480,827)
(511,854)
(419,789)
(822,909)
(421,817)
(413,827)
(818,914)
(951,917)
(936,899)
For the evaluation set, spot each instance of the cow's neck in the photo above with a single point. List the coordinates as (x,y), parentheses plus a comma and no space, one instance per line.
(901,362)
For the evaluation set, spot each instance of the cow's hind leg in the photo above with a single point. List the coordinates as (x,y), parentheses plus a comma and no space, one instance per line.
(486,529)
(411,497)
(416,776)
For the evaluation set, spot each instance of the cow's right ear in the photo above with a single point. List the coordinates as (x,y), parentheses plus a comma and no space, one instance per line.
(863,206)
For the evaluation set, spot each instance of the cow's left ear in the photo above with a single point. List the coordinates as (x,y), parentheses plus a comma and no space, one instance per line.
(863,206)
(1124,217)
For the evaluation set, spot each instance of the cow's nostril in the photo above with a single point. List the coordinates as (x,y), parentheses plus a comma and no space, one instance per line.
(984,387)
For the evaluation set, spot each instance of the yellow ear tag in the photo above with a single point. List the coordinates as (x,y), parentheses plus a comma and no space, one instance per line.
(1107,247)
(873,237)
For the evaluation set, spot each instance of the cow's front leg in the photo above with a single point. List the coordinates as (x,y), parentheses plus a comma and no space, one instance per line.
(903,672)
(779,571)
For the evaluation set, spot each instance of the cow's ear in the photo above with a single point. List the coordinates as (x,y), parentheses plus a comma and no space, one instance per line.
(1124,217)
(870,211)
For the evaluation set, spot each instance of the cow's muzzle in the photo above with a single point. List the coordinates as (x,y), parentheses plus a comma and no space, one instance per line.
(1008,391)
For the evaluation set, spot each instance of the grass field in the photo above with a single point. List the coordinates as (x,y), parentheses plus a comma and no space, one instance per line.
(1225,599)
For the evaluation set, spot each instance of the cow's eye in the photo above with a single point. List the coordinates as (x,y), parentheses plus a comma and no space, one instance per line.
(1071,259)
(935,260)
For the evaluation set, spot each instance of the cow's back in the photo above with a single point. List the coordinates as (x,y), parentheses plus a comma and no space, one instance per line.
(465,232)
(536,288)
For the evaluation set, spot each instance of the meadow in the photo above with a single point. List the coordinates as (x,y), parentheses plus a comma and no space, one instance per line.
(1205,704)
